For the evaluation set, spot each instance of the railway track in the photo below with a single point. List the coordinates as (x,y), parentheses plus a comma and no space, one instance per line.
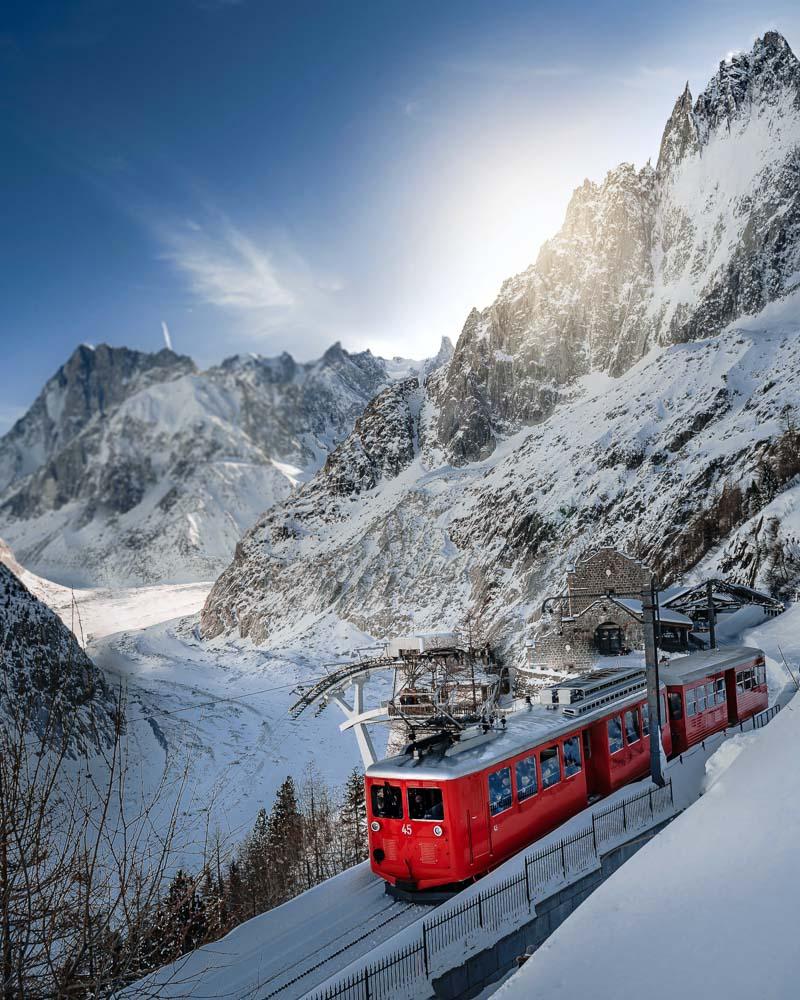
(337,947)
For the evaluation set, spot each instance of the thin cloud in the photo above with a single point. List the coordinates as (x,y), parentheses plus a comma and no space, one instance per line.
(225,267)
(645,77)
(501,71)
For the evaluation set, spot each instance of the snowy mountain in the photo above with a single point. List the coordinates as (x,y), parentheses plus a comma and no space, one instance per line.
(636,386)
(134,468)
(47,679)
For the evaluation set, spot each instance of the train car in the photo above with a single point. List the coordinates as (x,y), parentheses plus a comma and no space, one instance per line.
(713,689)
(451,808)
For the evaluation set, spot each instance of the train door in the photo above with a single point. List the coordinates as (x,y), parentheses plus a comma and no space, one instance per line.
(730,695)
(477,820)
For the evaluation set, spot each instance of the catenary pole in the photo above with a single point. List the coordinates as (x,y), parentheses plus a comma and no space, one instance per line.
(712,618)
(651,675)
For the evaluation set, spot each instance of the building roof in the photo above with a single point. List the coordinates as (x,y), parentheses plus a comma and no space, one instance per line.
(724,592)
(686,669)
(666,615)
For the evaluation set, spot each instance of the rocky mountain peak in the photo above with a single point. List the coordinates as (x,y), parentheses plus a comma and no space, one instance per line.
(680,133)
(335,354)
(747,81)
(91,383)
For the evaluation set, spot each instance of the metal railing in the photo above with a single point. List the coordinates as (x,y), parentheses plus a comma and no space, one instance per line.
(544,871)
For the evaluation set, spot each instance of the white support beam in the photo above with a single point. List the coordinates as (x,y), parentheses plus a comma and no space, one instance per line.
(355,716)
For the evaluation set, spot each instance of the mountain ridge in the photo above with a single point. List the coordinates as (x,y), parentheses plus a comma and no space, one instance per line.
(136,468)
(652,273)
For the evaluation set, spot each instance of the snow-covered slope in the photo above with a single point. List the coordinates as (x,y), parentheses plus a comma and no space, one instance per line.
(600,400)
(138,468)
(707,909)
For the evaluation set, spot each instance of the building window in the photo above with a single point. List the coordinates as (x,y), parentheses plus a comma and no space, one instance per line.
(632,734)
(572,756)
(387,801)
(425,803)
(500,797)
(615,734)
(525,773)
(551,768)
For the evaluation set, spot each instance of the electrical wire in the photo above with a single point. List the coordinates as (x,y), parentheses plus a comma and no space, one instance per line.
(214,701)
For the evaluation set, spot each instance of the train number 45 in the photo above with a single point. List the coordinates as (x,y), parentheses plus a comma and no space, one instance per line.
(407,829)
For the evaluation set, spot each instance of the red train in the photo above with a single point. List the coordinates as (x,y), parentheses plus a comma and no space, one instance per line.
(447,811)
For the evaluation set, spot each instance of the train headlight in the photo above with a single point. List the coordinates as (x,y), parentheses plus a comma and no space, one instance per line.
(437,831)
(374,826)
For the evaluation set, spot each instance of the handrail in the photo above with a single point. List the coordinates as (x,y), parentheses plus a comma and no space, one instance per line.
(544,871)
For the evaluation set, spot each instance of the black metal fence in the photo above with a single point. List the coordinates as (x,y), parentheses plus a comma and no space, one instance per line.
(543,872)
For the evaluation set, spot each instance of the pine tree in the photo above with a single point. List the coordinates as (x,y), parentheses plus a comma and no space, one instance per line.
(767,482)
(235,901)
(284,844)
(256,866)
(354,820)
(180,924)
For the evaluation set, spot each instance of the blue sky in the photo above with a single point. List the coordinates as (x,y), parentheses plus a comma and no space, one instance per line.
(276,176)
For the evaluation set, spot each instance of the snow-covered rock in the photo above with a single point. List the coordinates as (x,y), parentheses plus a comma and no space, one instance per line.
(137,468)
(47,682)
(634,387)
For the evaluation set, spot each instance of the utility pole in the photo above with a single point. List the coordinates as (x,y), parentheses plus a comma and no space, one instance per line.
(651,675)
(712,617)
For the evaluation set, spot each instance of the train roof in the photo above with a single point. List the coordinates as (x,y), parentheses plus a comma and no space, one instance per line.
(585,700)
(709,661)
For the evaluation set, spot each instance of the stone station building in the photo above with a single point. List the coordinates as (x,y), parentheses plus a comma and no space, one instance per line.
(584,626)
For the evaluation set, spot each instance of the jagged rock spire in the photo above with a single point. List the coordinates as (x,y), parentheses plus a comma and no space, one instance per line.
(680,133)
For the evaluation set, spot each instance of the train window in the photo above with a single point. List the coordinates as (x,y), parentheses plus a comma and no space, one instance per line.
(690,704)
(551,768)
(500,797)
(572,756)
(425,803)
(615,734)
(632,733)
(720,682)
(525,773)
(710,694)
(675,706)
(645,720)
(700,697)
(387,801)
(587,744)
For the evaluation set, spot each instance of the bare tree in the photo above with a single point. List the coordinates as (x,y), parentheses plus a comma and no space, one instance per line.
(81,880)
